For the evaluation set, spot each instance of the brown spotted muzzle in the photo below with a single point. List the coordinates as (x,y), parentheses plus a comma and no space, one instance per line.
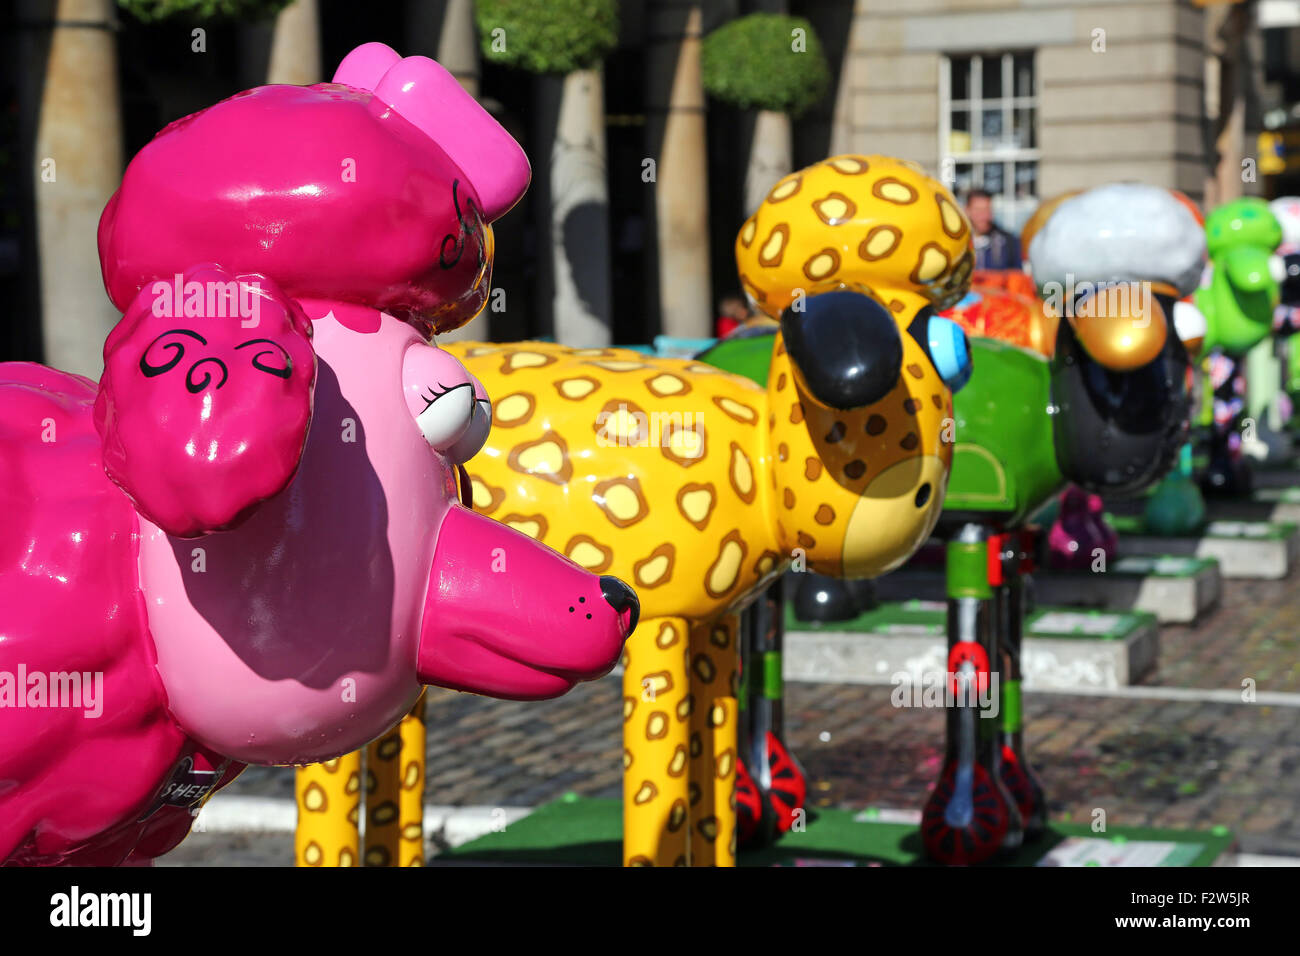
(846,348)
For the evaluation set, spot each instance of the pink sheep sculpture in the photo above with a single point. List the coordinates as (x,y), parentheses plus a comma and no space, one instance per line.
(245,544)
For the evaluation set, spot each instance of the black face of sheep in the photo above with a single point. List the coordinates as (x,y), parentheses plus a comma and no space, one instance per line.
(1118,432)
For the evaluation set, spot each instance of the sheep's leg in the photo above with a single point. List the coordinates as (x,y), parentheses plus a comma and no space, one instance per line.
(329,809)
(657,706)
(395,794)
(411,802)
(714,680)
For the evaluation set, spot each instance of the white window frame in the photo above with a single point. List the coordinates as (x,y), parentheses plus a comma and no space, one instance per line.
(1009,211)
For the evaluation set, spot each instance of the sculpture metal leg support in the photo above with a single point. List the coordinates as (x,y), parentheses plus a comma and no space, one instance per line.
(1017,775)
(969,816)
(755,818)
(776,775)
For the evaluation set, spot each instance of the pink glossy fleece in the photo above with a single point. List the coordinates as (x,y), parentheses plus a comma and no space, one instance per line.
(70,602)
(427,95)
(200,400)
(327,189)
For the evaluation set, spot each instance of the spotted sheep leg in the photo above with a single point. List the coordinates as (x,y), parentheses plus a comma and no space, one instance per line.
(658,714)
(714,678)
(394,766)
(329,809)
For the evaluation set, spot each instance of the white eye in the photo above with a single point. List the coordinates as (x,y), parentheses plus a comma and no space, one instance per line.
(447,416)
(468,445)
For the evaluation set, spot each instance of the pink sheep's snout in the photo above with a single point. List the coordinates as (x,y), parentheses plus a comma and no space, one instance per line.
(508,617)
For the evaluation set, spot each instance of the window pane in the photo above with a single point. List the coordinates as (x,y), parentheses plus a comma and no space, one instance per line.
(1024,71)
(959,135)
(1026,180)
(960,77)
(991,87)
(1024,136)
(993,180)
(964,179)
(991,129)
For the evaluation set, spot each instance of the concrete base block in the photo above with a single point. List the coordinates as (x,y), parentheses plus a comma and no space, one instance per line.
(1063,649)
(1177,590)
(1266,504)
(1137,584)
(1244,549)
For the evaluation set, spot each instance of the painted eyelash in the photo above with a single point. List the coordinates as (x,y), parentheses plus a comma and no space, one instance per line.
(434,395)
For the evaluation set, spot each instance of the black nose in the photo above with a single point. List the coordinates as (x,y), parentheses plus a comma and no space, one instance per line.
(621,598)
(845,346)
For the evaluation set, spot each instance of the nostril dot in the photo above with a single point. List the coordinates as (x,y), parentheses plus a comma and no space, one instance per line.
(923,495)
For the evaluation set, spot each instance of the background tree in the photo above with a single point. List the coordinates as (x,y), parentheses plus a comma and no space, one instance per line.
(772,63)
(150,10)
(564,42)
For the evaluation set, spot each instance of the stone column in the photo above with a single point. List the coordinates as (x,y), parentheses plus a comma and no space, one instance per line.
(676,136)
(770,156)
(445,31)
(458,44)
(1224,31)
(577,235)
(295,46)
(77,166)
(771,148)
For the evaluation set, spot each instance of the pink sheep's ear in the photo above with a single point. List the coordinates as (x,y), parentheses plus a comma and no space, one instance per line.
(365,66)
(430,98)
(206,398)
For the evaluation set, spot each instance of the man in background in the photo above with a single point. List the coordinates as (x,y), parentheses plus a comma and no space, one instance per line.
(995,248)
(733,312)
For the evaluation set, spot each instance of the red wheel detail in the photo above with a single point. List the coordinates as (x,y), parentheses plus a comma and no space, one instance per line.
(789,791)
(969,652)
(749,807)
(978,840)
(1017,783)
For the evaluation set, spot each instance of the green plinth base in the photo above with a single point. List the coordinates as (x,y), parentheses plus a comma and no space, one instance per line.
(589,833)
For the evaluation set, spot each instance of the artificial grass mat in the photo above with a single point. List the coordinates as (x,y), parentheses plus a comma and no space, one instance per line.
(585,832)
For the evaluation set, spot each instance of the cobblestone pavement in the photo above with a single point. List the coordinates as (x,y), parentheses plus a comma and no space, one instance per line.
(1254,632)
(1145,762)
